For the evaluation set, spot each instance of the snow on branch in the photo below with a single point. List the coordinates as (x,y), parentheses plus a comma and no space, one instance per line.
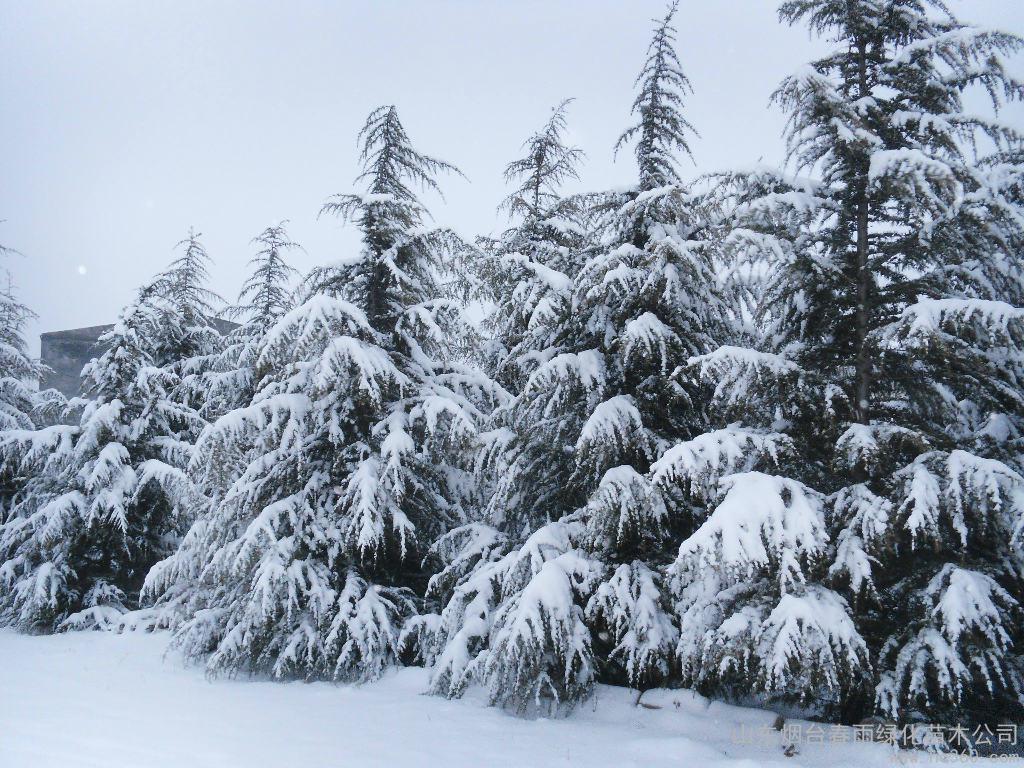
(516,623)
(962,489)
(309,326)
(372,367)
(739,371)
(364,634)
(701,463)
(541,653)
(929,319)
(867,518)
(630,604)
(762,520)
(624,507)
(648,337)
(864,444)
(809,635)
(612,426)
(26,449)
(585,369)
(962,642)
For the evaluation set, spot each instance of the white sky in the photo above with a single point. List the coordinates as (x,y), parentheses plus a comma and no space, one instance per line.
(123,123)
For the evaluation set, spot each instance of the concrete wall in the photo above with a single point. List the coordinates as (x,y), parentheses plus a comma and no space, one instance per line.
(67,352)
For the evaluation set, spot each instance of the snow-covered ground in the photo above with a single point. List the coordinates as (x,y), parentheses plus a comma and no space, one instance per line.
(116,701)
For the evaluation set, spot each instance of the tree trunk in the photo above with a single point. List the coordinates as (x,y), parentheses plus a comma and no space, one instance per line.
(863,359)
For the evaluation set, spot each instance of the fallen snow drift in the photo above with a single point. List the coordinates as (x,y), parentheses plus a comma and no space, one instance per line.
(116,701)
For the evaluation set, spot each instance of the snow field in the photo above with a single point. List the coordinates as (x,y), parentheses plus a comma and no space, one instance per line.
(102,700)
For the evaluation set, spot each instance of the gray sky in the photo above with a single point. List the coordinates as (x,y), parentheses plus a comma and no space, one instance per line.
(123,123)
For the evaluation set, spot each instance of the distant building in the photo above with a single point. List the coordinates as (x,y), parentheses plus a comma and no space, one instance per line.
(65,353)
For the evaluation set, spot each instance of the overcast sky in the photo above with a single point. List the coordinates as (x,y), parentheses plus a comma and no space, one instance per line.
(124,123)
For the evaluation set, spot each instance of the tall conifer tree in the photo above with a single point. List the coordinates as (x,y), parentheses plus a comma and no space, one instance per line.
(21,406)
(266,296)
(17,370)
(492,570)
(342,464)
(891,327)
(606,394)
(107,497)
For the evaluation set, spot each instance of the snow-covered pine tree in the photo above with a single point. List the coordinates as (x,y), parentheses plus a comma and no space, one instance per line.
(599,401)
(345,466)
(529,272)
(21,406)
(514,620)
(189,343)
(513,601)
(105,498)
(757,621)
(648,299)
(529,269)
(266,296)
(17,370)
(230,381)
(891,312)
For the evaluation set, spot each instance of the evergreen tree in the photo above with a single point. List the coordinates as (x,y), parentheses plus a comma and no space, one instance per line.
(648,299)
(512,615)
(17,370)
(229,383)
(598,399)
(756,623)
(530,267)
(515,619)
(189,342)
(266,296)
(330,485)
(530,273)
(890,350)
(21,406)
(660,130)
(105,498)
